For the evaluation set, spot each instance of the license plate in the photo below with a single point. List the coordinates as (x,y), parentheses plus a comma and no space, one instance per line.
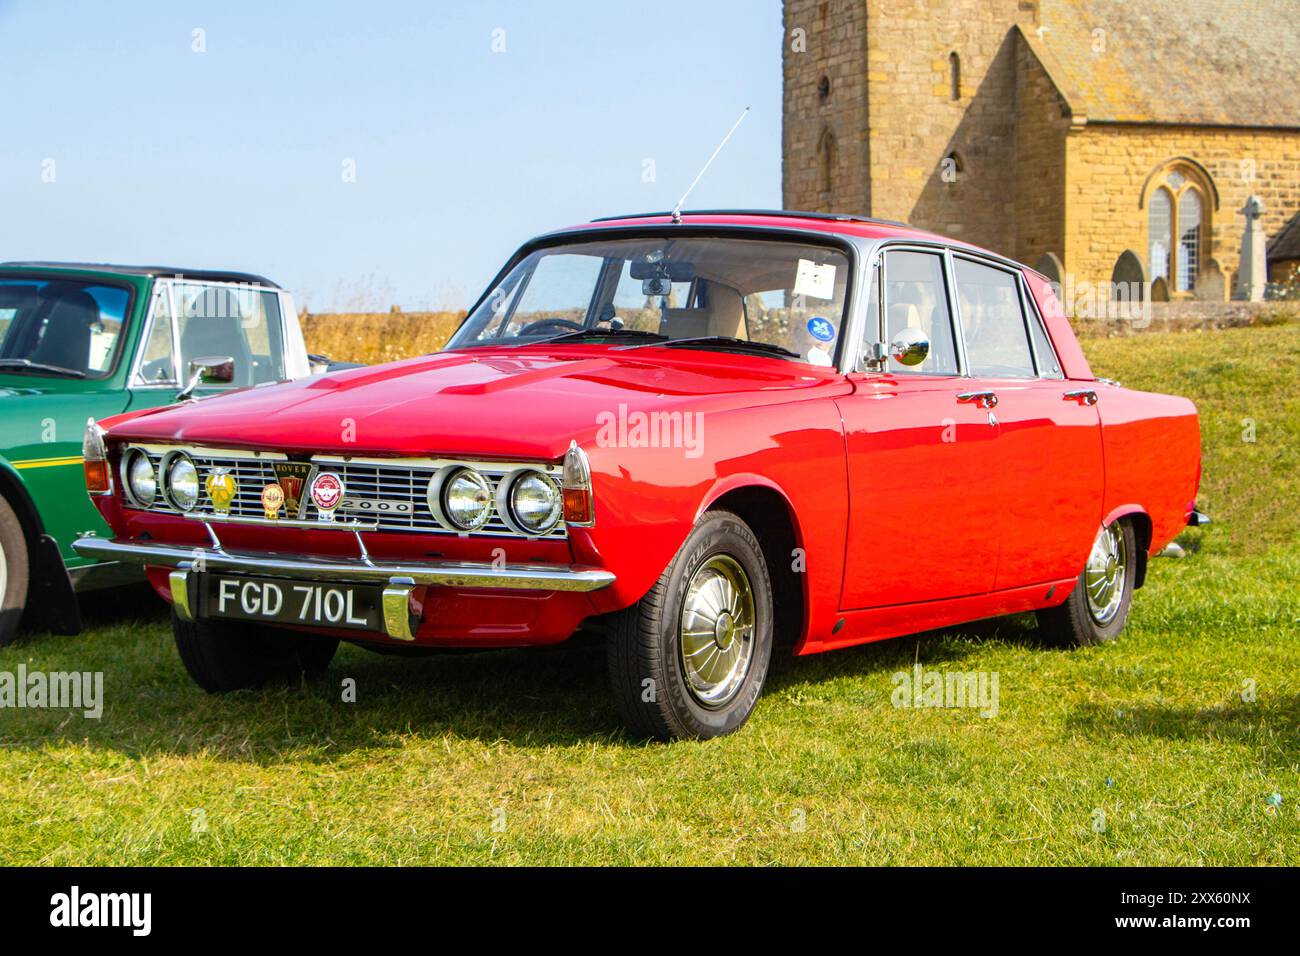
(275,601)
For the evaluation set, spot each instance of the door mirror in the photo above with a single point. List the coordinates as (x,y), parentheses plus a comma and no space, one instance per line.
(208,370)
(909,347)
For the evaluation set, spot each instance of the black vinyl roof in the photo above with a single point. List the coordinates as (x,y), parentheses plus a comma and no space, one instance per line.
(202,275)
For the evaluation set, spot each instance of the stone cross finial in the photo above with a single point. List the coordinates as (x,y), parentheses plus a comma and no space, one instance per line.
(1252,272)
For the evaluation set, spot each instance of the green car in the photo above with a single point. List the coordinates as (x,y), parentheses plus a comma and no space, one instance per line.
(82,342)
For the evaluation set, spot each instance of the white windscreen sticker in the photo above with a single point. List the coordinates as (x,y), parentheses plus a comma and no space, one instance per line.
(815,280)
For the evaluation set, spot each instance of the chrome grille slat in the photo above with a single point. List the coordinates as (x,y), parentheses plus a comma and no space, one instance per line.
(362,480)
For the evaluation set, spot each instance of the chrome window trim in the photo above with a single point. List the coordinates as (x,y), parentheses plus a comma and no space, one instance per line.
(136,383)
(1018,276)
(872,250)
(1031,306)
(168,283)
(880,255)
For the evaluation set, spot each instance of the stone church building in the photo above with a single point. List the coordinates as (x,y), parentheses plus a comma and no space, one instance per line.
(1098,140)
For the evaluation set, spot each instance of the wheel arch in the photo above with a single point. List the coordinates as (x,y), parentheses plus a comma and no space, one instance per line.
(1142,528)
(766,508)
(14,490)
(49,590)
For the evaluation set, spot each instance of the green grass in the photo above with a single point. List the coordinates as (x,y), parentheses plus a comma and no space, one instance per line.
(1143,752)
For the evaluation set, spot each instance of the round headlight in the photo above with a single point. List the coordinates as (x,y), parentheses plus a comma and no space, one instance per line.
(535,502)
(466,499)
(141,481)
(182,482)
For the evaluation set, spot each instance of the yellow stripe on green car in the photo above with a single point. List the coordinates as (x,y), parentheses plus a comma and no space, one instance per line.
(48,462)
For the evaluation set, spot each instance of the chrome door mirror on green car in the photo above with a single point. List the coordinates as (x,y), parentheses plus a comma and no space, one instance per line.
(208,370)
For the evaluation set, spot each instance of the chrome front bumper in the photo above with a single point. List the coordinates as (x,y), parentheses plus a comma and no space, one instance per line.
(398,578)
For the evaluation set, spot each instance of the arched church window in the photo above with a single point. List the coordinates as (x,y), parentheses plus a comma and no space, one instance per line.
(1178,201)
(954,75)
(1159,232)
(826,163)
(1189,240)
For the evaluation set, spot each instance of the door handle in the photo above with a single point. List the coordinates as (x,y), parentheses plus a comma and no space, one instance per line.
(1084,396)
(981,399)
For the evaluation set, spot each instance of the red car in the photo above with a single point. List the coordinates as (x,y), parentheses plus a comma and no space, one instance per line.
(704,435)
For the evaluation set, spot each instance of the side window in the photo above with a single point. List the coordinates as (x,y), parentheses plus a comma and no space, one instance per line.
(916,297)
(1048,366)
(997,345)
(156,365)
(243,322)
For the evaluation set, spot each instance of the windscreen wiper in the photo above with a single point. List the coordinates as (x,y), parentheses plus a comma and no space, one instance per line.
(597,333)
(726,343)
(27,365)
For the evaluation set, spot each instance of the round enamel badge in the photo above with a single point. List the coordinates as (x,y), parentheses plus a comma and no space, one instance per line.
(327,493)
(272,500)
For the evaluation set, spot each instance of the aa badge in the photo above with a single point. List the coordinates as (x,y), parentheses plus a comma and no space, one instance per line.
(272,501)
(222,486)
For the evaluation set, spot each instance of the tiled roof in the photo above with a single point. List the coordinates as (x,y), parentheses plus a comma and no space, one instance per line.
(1183,62)
(1285,244)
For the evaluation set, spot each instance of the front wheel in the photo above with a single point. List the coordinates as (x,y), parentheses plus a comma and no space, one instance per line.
(224,656)
(689,659)
(1097,609)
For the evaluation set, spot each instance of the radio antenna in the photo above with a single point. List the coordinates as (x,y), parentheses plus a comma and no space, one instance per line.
(677,209)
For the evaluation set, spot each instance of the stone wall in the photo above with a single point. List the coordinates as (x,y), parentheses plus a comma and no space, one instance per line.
(825,106)
(916,124)
(1107,166)
(1042,125)
(1191,315)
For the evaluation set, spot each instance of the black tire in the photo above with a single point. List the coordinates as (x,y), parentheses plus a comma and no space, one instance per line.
(223,656)
(14,572)
(1073,623)
(646,665)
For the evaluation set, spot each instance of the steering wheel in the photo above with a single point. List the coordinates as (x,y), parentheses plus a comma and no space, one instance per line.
(534,327)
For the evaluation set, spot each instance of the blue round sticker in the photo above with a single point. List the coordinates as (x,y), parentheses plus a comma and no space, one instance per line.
(821,329)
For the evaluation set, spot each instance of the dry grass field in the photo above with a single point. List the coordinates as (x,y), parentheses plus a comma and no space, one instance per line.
(374,337)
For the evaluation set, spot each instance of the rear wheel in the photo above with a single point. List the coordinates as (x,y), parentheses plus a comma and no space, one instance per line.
(1097,610)
(689,659)
(13,573)
(223,656)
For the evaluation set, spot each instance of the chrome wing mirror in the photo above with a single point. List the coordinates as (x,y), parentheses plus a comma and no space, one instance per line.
(909,347)
(208,370)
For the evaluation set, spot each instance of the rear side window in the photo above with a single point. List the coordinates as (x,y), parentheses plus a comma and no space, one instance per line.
(1048,366)
(916,297)
(992,321)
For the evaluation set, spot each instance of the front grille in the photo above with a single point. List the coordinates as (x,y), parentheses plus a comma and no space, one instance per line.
(394,496)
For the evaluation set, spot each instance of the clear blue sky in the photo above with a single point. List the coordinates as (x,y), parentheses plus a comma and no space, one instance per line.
(234,157)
